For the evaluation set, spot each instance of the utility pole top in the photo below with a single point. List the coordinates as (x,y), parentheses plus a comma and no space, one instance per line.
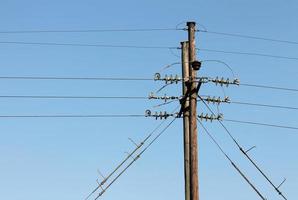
(183,43)
(191,23)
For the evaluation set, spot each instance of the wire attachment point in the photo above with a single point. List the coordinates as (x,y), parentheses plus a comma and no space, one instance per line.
(219,81)
(157,76)
(217,100)
(168,79)
(222,81)
(132,141)
(160,115)
(165,97)
(281,185)
(251,148)
(211,118)
(99,184)
(129,154)
(101,174)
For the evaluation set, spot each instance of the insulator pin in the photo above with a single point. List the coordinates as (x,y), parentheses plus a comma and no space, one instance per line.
(168,79)
(159,115)
(217,100)
(211,117)
(165,97)
(219,81)
(225,82)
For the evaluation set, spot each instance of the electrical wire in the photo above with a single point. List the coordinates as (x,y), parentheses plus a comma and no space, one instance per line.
(89,30)
(75,78)
(72,97)
(135,159)
(138,156)
(245,152)
(222,62)
(124,79)
(72,116)
(232,163)
(264,105)
(126,159)
(86,45)
(269,87)
(141,47)
(247,53)
(248,37)
(261,124)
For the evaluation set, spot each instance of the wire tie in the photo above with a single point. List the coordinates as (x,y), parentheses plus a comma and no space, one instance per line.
(250,149)
(101,174)
(281,183)
(129,155)
(132,141)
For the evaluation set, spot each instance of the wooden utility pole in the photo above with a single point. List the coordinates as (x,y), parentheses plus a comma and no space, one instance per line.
(185,108)
(194,185)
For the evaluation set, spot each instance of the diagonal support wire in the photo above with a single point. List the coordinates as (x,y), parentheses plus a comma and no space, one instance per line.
(124,161)
(134,160)
(232,163)
(245,153)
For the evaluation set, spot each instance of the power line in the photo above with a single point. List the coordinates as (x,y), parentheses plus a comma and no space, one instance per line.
(131,155)
(124,79)
(142,47)
(86,45)
(125,160)
(90,30)
(232,163)
(269,87)
(264,105)
(73,116)
(247,53)
(72,97)
(245,153)
(262,124)
(249,37)
(250,122)
(136,158)
(75,78)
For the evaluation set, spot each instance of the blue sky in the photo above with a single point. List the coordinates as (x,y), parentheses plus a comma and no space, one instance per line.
(58,158)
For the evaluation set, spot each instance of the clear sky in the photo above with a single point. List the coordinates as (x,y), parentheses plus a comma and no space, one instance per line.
(47,159)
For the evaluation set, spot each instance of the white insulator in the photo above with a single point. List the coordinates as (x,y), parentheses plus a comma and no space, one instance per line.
(157,76)
(147,113)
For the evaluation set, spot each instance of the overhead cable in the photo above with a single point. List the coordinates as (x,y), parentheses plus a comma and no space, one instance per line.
(76,78)
(247,53)
(264,105)
(261,124)
(85,45)
(135,159)
(88,30)
(125,160)
(248,37)
(245,153)
(269,87)
(232,163)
